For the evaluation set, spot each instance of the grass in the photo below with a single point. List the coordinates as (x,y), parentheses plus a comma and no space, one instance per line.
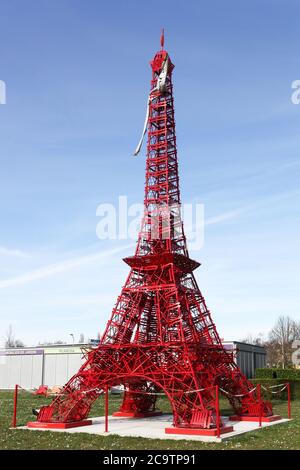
(283,436)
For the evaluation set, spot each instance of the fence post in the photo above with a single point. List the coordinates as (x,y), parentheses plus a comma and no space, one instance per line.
(289,399)
(259,401)
(217,410)
(14,420)
(106,408)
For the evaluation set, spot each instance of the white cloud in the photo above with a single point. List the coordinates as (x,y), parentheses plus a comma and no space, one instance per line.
(62,266)
(215,220)
(12,252)
(225,216)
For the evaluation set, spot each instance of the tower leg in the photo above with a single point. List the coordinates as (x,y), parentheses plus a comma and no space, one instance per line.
(139,401)
(189,390)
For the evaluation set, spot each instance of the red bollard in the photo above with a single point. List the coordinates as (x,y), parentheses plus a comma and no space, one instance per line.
(288,385)
(106,408)
(259,401)
(14,420)
(217,410)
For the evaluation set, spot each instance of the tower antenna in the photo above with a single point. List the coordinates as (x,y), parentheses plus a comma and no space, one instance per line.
(162,38)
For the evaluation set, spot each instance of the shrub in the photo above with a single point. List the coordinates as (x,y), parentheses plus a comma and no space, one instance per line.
(276,373)
(294,387)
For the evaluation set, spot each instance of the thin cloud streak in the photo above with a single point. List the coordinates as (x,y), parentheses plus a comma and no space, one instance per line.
(63,266)
(15,253)
(229,215)
(225,216)
(77,261)
(72,263)
(259,204)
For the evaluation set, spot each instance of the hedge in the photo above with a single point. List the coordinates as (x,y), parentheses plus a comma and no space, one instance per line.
(294,387)
(276,373)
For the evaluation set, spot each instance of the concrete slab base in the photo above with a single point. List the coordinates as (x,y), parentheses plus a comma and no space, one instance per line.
(154,428)
(75,424)
(255,419)
(198,431)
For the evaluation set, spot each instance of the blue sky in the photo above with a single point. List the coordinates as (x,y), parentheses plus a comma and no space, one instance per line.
(77,76)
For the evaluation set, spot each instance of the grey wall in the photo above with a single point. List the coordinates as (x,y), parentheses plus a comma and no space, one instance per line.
(248,361)
(25,370)
(30,369)
(244,361)
(59,368)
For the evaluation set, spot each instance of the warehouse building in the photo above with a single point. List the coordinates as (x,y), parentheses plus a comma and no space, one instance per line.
(56,364)
(248,357)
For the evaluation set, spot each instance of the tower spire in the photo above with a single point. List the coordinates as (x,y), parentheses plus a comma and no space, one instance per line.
(162,38)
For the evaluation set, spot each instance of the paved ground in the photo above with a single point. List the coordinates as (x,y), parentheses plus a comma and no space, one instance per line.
(154,428)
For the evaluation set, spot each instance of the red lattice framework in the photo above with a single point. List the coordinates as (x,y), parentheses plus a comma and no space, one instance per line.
(160,337)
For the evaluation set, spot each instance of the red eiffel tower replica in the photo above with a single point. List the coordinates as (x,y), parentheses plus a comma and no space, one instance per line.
(160,337)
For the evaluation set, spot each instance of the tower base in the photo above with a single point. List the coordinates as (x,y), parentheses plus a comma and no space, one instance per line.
(199,431)
(255,419)
(73,424)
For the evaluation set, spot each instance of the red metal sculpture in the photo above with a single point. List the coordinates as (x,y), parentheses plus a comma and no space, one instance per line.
(160,337)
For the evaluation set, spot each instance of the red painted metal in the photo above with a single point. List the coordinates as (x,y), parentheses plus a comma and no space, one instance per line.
(14,420)
(255,419)
(73,424)
(106,408)
(42,390)
(160,337)
(199,432)
(288,386)
(217,411)
(259,403)
(162,38)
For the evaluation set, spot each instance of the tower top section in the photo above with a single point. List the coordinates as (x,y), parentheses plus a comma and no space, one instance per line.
(161,59)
